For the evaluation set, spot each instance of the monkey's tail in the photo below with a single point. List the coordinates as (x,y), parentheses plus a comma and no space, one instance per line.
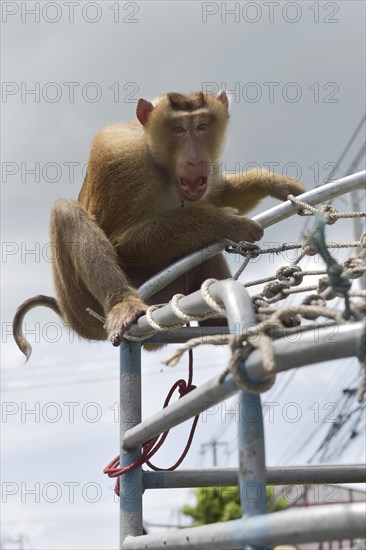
(22,310)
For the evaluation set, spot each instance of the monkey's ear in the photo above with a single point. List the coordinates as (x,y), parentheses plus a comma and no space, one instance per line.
(143,111)
(224,99)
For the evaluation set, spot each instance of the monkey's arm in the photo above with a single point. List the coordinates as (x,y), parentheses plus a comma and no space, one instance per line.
(245,191)
(181,231)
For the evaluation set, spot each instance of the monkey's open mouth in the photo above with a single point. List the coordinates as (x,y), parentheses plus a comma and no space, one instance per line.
(193,190)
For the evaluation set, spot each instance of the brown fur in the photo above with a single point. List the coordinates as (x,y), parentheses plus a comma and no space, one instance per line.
(189,103)
(128,222)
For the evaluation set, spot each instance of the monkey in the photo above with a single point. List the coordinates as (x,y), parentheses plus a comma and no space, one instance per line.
(151,195)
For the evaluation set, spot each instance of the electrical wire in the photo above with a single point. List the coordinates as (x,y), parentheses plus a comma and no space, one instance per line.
(357,159)
(72,381)
(346,149)
(337,165)
(290,452)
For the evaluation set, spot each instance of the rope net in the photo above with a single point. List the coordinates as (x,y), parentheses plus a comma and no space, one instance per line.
(334,281)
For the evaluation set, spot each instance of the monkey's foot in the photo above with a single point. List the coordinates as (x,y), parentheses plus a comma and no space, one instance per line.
(122,316)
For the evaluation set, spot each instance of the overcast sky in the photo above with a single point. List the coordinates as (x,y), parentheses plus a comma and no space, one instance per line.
(297,73)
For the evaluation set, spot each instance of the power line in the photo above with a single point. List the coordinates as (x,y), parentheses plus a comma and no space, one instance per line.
(337,166)
(357,159)
(71,382)
(290,452)
(346,149)
(50,366)
(338,438)
(214,444)
(83,381)
(286,381)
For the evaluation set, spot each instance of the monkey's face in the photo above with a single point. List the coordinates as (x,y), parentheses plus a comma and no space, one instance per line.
(185,134)
(190,137)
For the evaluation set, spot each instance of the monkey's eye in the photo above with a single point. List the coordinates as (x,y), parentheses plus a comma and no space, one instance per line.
(202,126)
(178,129)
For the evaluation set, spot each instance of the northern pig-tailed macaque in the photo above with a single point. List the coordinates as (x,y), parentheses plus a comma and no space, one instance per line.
(149,197)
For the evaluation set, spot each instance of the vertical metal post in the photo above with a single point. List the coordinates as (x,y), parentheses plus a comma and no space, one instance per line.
(130,415)
(252,472)
(252,467)
(357,229)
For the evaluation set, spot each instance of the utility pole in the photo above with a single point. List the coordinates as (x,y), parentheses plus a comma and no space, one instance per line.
(354,204)
(357,228)
(214,444)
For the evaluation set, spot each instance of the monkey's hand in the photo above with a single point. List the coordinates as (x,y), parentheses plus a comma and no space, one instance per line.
(283,186)
(245,229)
(121,317)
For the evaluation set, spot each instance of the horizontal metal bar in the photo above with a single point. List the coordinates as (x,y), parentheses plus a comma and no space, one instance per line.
(266,219)
(322,193)
(193,304)
(276,475)
(313,347)
(181,335)
(293,526)
(181,266)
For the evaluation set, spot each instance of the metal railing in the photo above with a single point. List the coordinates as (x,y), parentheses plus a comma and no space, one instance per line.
(256,528)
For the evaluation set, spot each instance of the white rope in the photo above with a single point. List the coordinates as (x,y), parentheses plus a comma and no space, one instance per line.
(209,299)
(186,317)
(154,324)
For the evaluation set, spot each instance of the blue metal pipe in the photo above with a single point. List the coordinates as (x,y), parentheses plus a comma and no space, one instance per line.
(130,416)
(252,472)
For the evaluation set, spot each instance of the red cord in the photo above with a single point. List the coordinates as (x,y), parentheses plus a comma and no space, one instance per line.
(153,445)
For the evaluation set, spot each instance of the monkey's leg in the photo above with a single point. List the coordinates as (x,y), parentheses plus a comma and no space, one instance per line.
(245,190)
(86,274)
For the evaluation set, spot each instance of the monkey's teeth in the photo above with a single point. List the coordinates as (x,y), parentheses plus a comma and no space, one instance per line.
(193,188)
